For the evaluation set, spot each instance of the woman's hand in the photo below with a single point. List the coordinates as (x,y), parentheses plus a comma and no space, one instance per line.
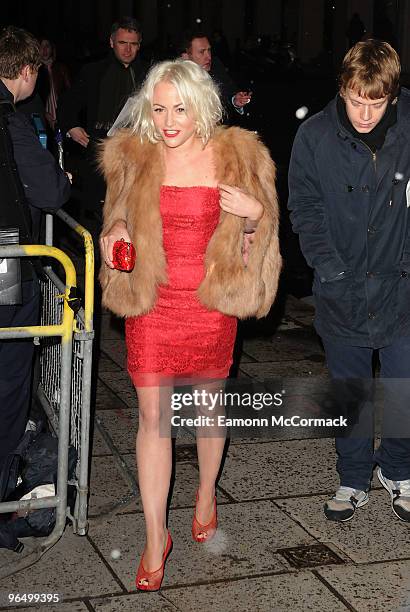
(239,203)
(116,232)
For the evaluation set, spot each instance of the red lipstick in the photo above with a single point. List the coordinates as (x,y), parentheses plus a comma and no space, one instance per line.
(171,133)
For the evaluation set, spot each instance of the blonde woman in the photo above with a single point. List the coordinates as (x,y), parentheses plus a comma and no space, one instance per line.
(198,202)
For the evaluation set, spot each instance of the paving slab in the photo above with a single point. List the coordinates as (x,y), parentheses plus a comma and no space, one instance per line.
(121,424)
(294,304)
(307,386)
(107,485)
(99,447)
(245,358)
(241,374)
(299,310)
(304,319)
(287,346)
(116,349)
(245,545)
(185,436)
(72,606)
(72,568)
(106,364)
(121,384)
(137,602)
(378,587)
(296,592)
(185,484)
(274,469)
(288,383)
(285,369)
(184,488)
(374,533)
(286,324)
(112,328)
(123,437)
(106,399)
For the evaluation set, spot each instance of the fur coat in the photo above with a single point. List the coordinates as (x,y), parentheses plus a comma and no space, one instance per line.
(134,173)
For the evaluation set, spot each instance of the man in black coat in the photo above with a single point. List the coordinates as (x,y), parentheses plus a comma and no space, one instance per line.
(349,196)
(196,47)
(100,91)
(30,181)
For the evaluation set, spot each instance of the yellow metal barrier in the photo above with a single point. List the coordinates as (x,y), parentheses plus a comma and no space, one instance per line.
(66,328)
(89,267)
(65,381)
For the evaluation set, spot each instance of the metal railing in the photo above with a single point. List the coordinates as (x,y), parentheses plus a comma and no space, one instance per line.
(81,366)
(66,335)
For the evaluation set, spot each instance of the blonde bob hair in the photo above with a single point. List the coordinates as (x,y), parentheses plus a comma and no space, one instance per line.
(198,93)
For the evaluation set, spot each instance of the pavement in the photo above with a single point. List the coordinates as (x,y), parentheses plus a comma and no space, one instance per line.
(274,550)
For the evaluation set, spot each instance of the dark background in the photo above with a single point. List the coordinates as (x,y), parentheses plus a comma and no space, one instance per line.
(288,52)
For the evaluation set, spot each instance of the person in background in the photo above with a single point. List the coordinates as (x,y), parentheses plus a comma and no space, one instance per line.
(196,47)
(100,91)
(53,80)
(30,182)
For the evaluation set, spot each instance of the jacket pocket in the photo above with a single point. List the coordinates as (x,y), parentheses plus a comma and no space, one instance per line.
(334,303)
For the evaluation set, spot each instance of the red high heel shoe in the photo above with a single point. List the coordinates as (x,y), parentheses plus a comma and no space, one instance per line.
(153,579)
(203,533)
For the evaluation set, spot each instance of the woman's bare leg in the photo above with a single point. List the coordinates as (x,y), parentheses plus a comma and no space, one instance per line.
(154,461)
(210,442)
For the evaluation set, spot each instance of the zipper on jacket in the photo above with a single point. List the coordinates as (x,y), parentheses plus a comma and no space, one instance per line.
(372,153)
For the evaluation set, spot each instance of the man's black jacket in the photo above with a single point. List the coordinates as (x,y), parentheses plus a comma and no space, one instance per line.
(84,95)
(30,175)
(227,89)
(351,212)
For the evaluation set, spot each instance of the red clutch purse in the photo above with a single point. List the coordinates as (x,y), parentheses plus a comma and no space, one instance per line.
(123,255)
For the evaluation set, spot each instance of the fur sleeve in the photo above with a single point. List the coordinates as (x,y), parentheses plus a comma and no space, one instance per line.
(264,260)
(267,232)
(113,163)
(244,162)
(133,171)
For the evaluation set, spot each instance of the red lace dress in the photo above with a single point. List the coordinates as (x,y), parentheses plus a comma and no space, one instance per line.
(180,338)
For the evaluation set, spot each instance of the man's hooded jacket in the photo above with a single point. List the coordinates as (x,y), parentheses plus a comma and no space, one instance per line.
(350,208)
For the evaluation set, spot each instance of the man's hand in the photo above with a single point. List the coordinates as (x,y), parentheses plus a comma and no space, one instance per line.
(117,231)
(241,98)
(78,134)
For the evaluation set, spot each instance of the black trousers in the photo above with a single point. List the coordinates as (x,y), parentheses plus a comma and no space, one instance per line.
(356,457)
(16,362)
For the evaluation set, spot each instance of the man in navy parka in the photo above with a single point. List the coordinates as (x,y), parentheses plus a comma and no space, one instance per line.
(349,197)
